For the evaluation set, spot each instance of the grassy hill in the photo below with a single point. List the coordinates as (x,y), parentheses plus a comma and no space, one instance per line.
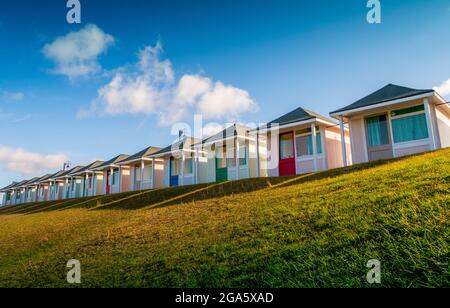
(316,230)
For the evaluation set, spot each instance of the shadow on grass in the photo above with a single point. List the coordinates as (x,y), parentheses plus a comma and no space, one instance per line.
(23,207)
(187,194)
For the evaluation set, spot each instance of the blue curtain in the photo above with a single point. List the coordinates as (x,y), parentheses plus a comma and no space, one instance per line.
(319,144)
(373,127)
(189,166)
(377,131)
(310,145)
(410,128)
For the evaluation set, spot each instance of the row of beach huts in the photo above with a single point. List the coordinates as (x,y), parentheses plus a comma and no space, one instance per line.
(392,122)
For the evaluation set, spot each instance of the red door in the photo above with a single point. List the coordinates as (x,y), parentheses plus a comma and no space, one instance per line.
(287,155)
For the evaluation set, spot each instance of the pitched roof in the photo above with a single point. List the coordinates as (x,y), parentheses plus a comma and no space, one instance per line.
(385,94)
(30,181)
(57,174)
(72,171)
(112,161)
(10,186)
(38,179)
(141,154)
(44,178)
(18,184)
(233,130)
(89,167)
(298,115)
(184,143)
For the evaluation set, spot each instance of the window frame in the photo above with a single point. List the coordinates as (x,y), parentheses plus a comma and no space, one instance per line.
(280,148)
(189,162)
(394,117)
(174,162)
(388,130)
(113,177)
(306,132)
(243,146)
(147,175)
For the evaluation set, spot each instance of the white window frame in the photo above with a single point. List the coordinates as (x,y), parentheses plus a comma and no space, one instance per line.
(308,157)
(186,159)
(246,146)
(406,144)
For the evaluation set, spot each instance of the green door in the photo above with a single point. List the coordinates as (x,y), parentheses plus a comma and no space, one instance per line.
(221,166)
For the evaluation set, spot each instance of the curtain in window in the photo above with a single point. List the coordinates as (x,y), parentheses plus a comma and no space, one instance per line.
(137,173)
(310,145)
(410,128)
(147,173)
(286,147)
(174,167)
(242,154)
(231,156)
(377,131)
(188,166)
(115,177)
(304,145)
(319,143)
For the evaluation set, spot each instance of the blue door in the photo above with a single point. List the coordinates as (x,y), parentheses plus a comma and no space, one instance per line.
(174,172)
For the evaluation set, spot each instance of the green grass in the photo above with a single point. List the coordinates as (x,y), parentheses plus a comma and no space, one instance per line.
(315,230)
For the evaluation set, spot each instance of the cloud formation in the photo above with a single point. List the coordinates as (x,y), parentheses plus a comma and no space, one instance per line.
(149,87)
(28,163)
(76,54)
(8,96)
(444,88)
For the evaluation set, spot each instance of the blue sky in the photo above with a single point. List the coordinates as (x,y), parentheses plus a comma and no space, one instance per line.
(269,56)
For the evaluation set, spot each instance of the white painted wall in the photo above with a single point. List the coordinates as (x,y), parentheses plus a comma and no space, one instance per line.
(443,124)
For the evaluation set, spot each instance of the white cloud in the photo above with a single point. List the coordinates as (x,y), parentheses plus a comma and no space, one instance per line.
(211,129)
(150,87)
(11,96)
(190,87)
(125,94)
(29,163)
(182,98)
(444,88)
(76,54)
(155,70)
(225,100)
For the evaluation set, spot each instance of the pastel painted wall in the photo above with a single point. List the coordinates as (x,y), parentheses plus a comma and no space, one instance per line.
(443,124)
(273,156)
(203,169)
(159,173)
(98,184)
(125,179)
(410,150)
(358,140)
(166,171)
